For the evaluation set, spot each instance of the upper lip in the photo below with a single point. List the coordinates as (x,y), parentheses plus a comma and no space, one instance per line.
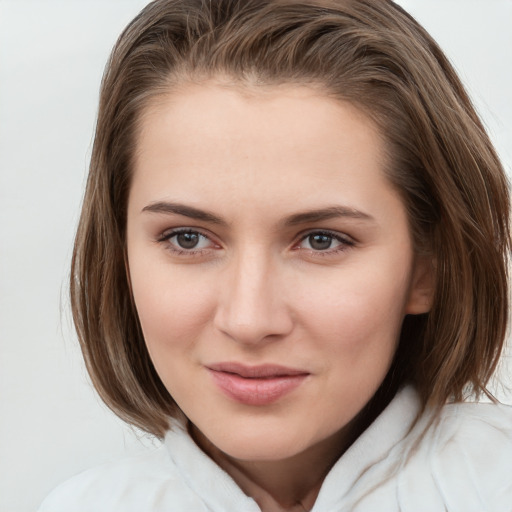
(258,371)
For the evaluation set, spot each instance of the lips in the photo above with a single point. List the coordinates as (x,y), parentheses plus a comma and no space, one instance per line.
(256,385)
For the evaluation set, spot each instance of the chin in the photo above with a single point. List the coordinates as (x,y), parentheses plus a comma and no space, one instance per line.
(243,441)
(260,449)
(259,441)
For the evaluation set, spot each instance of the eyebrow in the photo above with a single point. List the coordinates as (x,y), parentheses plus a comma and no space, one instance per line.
(310,216)
(331,212)
(186,211)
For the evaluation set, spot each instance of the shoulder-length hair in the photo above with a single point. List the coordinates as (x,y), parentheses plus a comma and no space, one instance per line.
(367,52)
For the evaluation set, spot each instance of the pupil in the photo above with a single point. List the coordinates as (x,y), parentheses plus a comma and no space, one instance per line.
(188,240)
(320,242)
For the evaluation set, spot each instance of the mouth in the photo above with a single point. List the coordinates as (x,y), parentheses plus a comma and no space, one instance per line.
(256,385)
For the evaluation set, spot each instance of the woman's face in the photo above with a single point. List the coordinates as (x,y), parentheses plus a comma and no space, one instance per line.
(270,261)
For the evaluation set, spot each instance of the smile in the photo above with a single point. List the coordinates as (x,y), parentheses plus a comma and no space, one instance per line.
(256,385)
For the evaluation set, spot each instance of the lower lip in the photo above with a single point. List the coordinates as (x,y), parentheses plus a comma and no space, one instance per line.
(256,391)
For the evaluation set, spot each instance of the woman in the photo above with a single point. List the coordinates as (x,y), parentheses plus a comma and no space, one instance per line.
(292,266)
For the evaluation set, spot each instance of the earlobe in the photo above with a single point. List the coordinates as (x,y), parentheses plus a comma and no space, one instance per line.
(421,293)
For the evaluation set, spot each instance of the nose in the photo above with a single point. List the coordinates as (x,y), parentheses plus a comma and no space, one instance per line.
(251,306)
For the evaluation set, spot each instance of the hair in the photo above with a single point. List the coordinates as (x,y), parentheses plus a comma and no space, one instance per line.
(370,53)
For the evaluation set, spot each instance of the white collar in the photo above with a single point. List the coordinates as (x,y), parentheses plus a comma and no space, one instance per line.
(222,494)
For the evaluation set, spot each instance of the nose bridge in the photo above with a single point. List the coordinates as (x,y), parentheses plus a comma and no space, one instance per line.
(251,306)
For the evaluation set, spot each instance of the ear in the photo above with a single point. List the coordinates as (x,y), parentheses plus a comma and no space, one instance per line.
(421,293)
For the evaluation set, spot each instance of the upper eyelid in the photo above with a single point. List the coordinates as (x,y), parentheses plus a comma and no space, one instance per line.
(330,232)
(170,232)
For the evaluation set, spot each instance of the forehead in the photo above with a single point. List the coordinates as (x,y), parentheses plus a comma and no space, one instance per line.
(288,144)
(300,110)
(310,108)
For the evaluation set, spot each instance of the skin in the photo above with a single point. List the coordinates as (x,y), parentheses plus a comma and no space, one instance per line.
(257,288)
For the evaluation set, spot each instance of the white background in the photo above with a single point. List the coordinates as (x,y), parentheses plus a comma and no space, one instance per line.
(52,54)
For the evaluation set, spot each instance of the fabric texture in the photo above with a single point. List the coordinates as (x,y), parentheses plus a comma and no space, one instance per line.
(461,462)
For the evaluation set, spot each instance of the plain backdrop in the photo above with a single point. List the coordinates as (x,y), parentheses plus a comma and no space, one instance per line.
(52,55)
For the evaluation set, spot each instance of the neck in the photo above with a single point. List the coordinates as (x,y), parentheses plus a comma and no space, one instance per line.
(293,484)
(290,484)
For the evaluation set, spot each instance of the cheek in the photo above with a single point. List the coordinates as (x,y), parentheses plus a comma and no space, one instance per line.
(172,310)
(356,310)
(356,327)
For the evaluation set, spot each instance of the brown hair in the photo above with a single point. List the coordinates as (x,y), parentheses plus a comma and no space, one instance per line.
(368,52)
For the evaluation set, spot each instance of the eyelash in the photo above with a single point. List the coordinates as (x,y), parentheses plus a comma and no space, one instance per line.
(168,235)
(345,242)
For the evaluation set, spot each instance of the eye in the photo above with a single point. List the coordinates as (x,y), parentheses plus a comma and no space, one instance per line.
(325,241)
(189,240)
(186,240)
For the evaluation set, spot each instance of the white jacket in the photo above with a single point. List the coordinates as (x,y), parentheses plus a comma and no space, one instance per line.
(462,463)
